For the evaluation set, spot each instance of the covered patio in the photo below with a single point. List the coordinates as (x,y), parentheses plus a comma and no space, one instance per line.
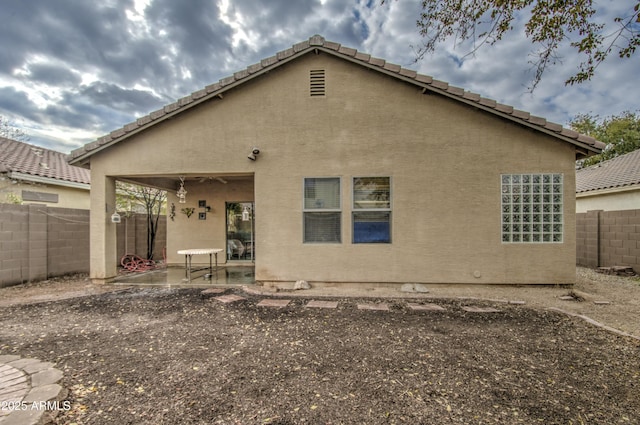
(212,211)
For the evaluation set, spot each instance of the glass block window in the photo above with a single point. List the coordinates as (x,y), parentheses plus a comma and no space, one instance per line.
(532,208)
(371,210)
(322,210)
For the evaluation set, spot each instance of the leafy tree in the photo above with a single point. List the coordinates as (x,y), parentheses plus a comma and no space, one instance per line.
(620,133)
(550,24)
(151,201)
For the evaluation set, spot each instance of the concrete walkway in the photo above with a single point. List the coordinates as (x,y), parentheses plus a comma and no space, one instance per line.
(30,392)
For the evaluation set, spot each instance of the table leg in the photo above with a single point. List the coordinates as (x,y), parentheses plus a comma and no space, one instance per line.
(186,272)
(210,267)
(189,270)
(216,254)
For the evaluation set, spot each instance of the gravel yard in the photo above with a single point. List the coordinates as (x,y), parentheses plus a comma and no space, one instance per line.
(167,356)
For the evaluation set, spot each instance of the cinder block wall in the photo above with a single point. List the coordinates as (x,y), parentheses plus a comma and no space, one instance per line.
(67,241)
(38,242)
(14,244)
(131,236)
(608,238)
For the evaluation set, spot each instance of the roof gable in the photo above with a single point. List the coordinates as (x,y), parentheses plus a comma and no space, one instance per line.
(619,172)
(26,159)
(584,145)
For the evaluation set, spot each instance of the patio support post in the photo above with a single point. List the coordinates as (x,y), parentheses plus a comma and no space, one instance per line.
(102,230)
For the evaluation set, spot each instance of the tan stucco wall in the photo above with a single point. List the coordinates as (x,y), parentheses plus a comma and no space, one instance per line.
(68,197)
(445,161)
(609,200)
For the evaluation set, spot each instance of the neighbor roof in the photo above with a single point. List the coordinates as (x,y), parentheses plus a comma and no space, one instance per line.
(619,172)
(584,145)
(31,160)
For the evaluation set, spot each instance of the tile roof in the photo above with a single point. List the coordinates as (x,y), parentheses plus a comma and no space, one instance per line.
(619,172)
(585,145)
(19,157)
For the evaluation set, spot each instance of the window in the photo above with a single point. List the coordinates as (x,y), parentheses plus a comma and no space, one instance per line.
(39,196)
(322,210)
(371,210)
(532,209)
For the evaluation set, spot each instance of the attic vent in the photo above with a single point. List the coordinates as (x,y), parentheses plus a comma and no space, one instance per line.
(316,82)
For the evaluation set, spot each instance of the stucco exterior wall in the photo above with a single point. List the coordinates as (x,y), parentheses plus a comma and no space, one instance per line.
(68,197)
(609,200)
(444,160)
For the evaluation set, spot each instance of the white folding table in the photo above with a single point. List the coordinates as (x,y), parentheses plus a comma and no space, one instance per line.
(188,253)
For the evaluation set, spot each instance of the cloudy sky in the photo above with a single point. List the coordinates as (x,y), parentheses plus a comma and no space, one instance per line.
(73,70)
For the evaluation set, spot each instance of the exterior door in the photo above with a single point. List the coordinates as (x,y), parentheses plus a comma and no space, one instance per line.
(240,231)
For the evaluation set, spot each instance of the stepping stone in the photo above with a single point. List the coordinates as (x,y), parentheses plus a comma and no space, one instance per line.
(425,307)
(31,369)
(472,309)
(46,377)
(517,302)
(378,307)
(274,303)
(602,302)
(230,298)
(6,358)
(322,304)
(567,298)
(213,291)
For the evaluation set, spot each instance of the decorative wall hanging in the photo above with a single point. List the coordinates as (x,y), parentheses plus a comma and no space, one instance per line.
(172,212)
(181,193)
(202,203)
(187,211)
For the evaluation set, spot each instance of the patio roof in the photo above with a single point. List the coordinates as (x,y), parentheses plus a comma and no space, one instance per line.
(584,145)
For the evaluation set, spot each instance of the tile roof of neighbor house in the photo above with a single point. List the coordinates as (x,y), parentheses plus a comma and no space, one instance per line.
(586,144)
(19,157)
(619,172)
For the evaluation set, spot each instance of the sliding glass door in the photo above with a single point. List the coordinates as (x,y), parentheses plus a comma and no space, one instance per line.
(240,231)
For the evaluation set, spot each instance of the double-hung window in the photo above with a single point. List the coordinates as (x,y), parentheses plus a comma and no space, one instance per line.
(322,210)
(372,210)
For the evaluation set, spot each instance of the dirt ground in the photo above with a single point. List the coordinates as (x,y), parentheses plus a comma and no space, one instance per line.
(167,356)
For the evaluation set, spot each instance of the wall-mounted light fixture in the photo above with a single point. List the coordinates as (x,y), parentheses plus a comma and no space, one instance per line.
(181,193)
(254,153)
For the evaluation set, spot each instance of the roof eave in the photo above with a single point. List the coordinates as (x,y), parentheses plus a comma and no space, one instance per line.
(47,180)
(608,190)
